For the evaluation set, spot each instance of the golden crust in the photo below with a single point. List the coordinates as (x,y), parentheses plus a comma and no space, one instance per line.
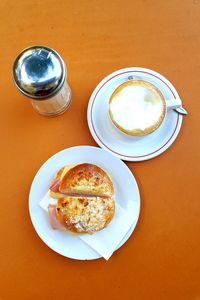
(87,179)
(156,91)
(85,214)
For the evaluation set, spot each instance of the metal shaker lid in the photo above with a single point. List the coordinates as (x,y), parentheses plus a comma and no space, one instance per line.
(39,72)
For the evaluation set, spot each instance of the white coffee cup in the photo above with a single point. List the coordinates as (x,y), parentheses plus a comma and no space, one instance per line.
(137,107)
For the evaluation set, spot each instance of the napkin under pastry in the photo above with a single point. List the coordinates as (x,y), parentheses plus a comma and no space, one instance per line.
(104,242)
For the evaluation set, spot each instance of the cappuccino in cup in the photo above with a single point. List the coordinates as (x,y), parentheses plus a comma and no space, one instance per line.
(137,107)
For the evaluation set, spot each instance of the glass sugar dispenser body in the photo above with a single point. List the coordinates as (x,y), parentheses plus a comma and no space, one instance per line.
(40,74)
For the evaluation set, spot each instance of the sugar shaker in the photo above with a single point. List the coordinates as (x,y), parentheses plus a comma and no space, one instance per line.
(40,74)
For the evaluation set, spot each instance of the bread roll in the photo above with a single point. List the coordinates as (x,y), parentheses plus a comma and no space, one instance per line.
(87,179)
(85,214)
(85,196)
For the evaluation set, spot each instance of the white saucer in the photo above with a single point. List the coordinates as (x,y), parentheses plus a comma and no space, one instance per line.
(110,138)
(126,192)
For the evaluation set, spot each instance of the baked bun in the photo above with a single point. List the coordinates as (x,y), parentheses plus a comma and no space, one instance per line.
(137,107)
(85,196)
(87,179)
(85,214)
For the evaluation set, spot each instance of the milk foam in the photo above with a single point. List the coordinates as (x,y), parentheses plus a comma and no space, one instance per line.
(136,107)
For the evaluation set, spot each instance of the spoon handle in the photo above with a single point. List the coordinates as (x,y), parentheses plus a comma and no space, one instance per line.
(180,110)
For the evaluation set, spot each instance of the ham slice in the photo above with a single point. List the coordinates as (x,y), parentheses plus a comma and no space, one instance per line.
(55,186)
(55,224)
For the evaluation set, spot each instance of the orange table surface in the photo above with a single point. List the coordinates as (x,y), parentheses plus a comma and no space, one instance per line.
(161,260)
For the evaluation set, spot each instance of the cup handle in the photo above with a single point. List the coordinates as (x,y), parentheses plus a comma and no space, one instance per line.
(173,103)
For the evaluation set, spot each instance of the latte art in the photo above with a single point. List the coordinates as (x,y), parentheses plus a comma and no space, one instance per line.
(137,107)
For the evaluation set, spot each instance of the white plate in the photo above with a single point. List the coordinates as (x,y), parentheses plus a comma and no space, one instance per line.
(126,190)
(110,138)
